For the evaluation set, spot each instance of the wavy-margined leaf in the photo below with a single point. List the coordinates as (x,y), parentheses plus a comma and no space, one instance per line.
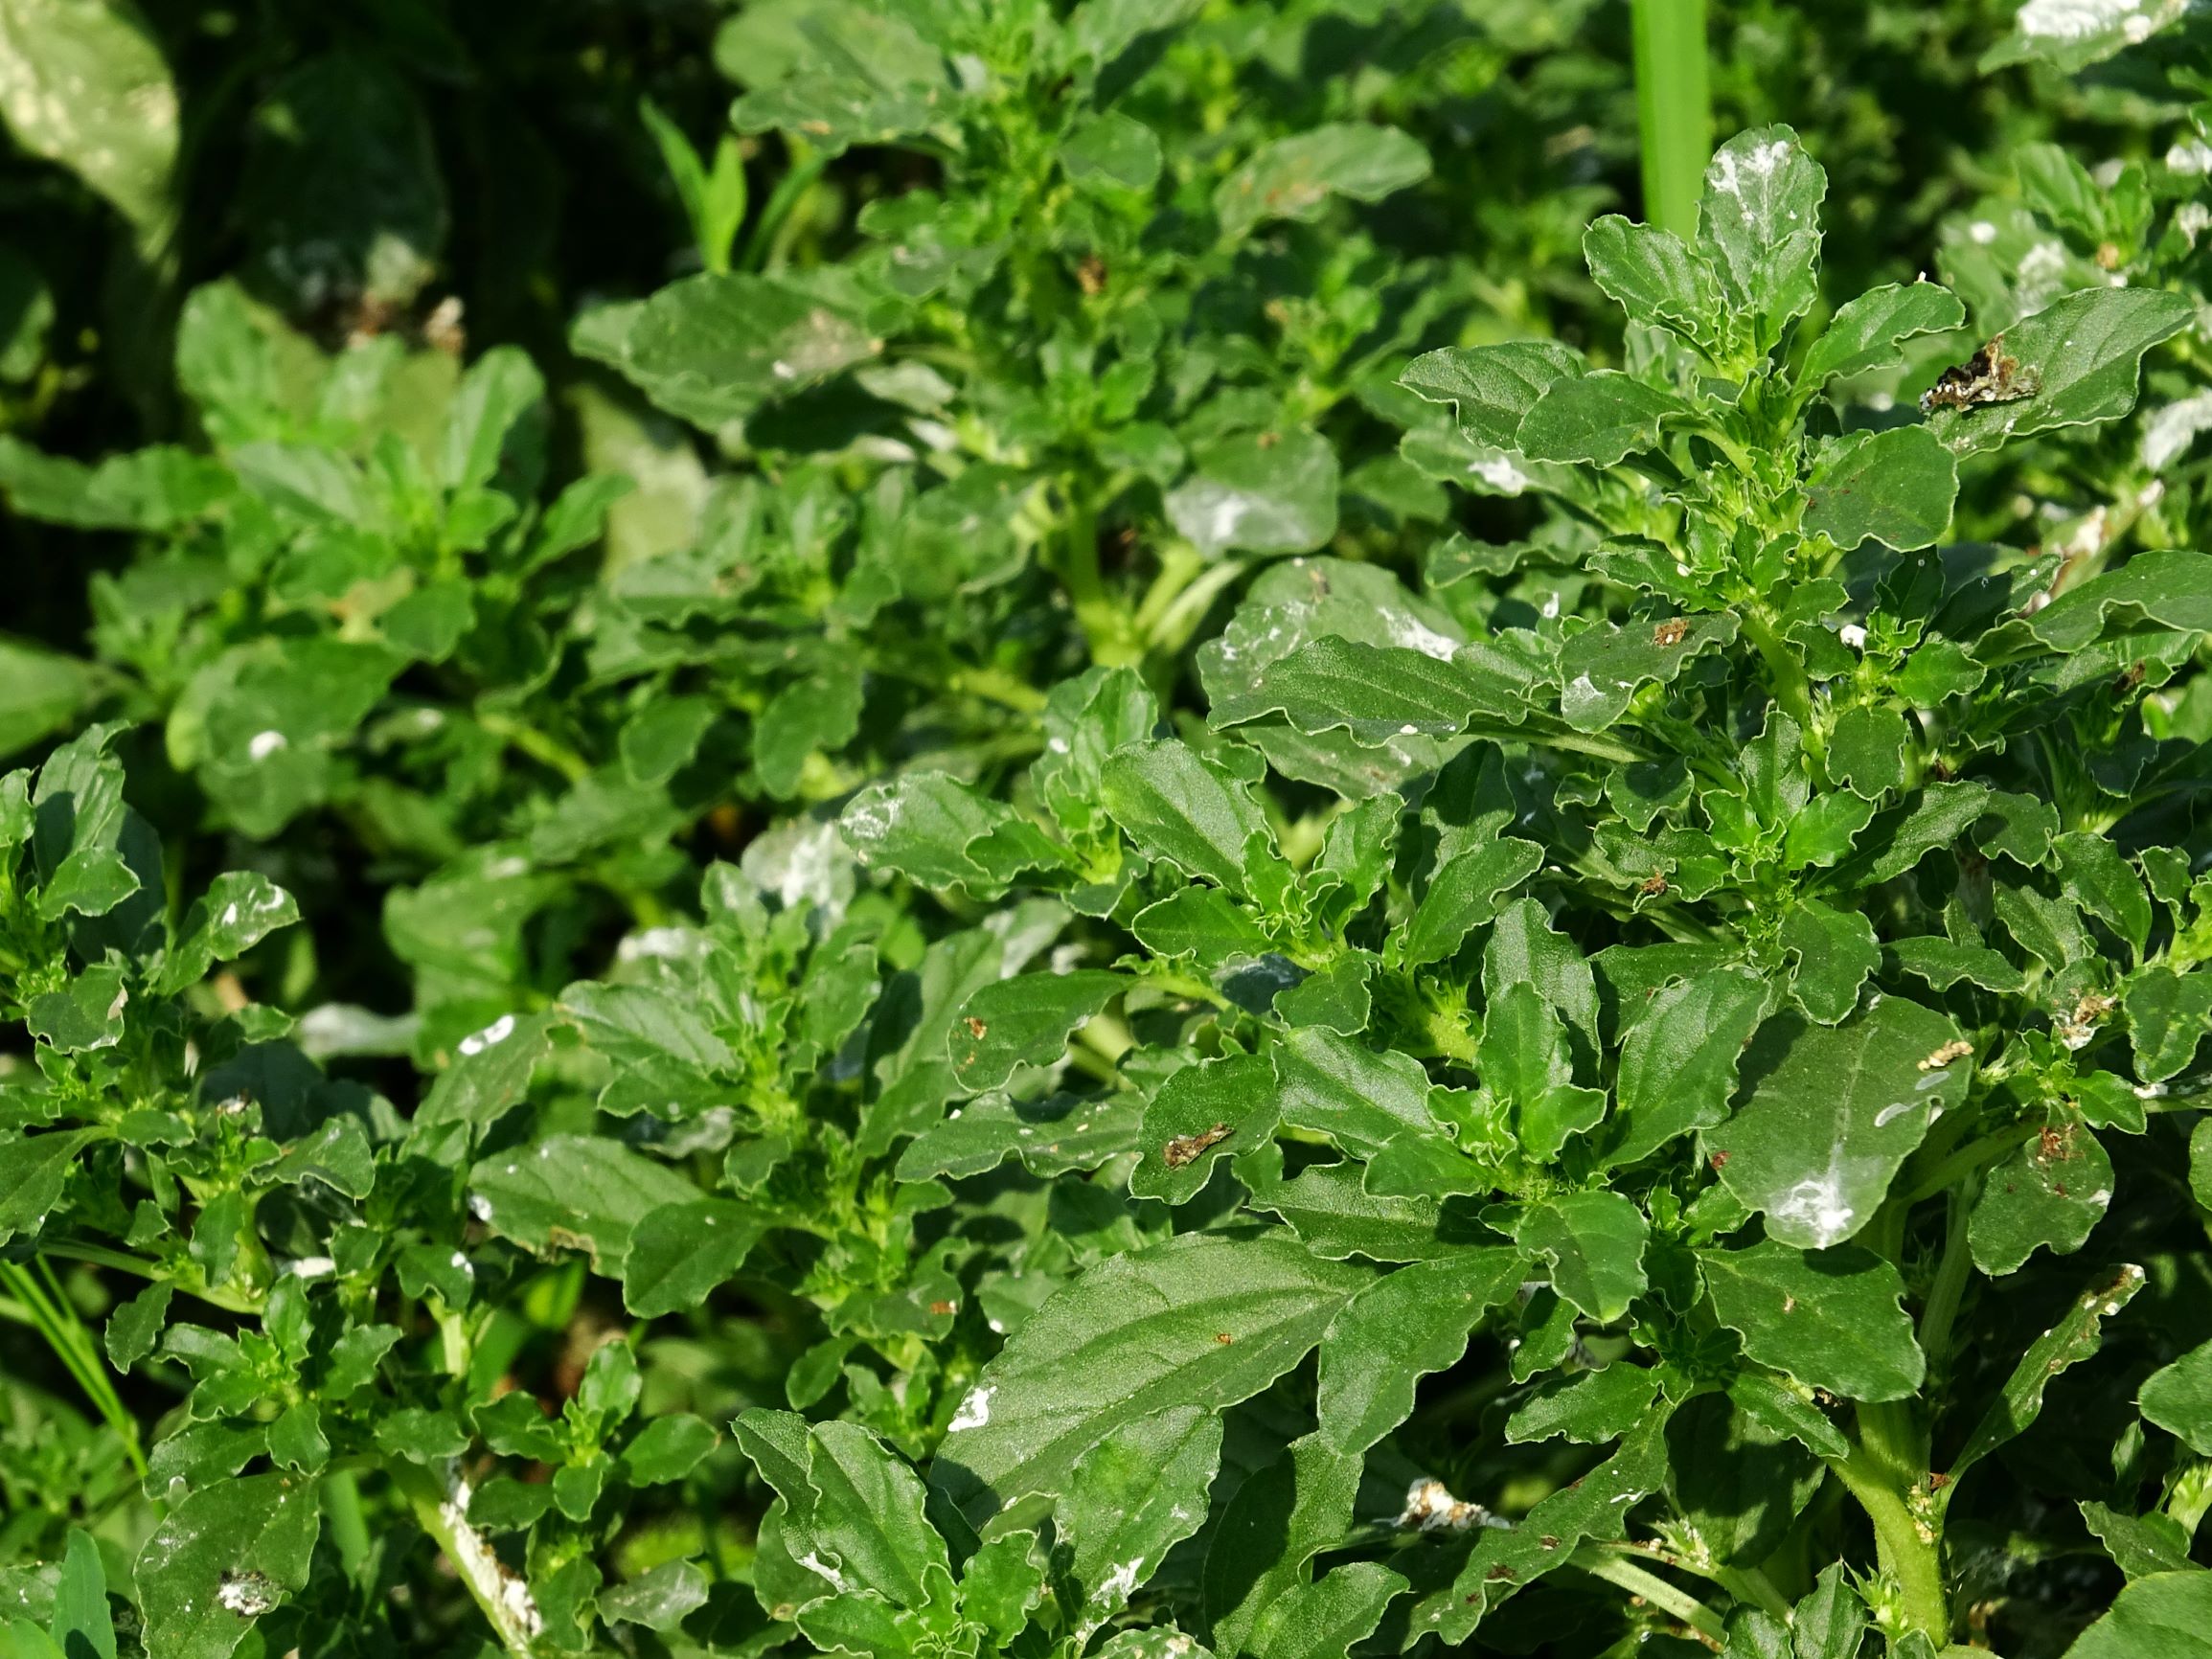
(1399,1329)
(1268,1532)
(713,348)
(2168,1015)
(1865,332)
(2078,1334)
(1182,806)
(1601,668)
(680,1251)
(2017,826)
(1135,1494)
(1830,1318)
(1595,1244)
(1655,276)
(1204,1319)
(573,1193)
(2163,588)
(1678,1059)
(1760,214)
(1589,1408)
(228,1554)
(2178,1398)
(1505,1560)
(1378,692)
(1023,1021)
(2082,354)
(2046,1194)
(1260,492)
(1463,895)
(1295,177)
(1599,417)
(1048,1137)
(2139,1545)
(2163,1616)
(2071,35)
(1357,1097)
(1328,1617)
(852,1508)
(1833,1111)
(942,833)
(1492,388)
(1203,1113)
(1895,486)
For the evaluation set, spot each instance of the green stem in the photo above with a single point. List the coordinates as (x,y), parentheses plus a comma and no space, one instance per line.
(1942,1296)
(1674,110)
(1602,1563)
(1785,673)
(442,1509)
(528,740)
(1752,1585)
(1908,1546)
(348,1530)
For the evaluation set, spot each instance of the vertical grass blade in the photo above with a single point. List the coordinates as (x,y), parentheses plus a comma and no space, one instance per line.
(1674,110)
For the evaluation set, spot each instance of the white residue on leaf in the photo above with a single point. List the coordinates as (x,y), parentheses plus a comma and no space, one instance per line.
(1982,231)
(2080,20)
(1118,1585)
(1416,635)
(480,1207)
(1499,473)
(663,942)
(814,1563)
(248,1594)
(1816,1204)
(492,1034)
(1890,1113)
(312,1267)
(2173,429)
(1852,635)
(263,745)
(974,1411)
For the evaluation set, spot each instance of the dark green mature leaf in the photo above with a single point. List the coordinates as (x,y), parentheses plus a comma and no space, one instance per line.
(1737,1477)
(2083,354)
(1463,895)
(852,1510)
(1137,1334)
(1589,1409)
(1293,177)
(943,834)
(33,1170)
(1134,1495)
(1399,1329)
(1830,1318)
(1598,417)
(1678,1059)
(680,1251)
(230,1553)
(2139,1545)
(2168,1017)
(1023,1021)
(1865,332)
(1181,806)
(1359,1099)
(1594,1242)
(1601,668)
(714,347)
(2077,1336)
(1328,1617)
(2166,588)
(2178,1398)
(1895,486)
(1491,387)
(1653,275)
(1203,1113)
(2164,1616)
(573,1191)
(1378,692)
(2046,1194)
(1832,1112)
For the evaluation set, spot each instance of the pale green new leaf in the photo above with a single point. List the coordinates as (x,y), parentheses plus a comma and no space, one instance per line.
(1760,216)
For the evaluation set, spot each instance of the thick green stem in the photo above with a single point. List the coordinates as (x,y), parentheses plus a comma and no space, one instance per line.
(1910,1546)
(440,1506)
(1786,676)
(342,1508)
(1674,110)
(1942,1296)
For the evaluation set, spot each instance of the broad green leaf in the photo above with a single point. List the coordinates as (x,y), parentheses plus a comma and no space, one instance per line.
(1654,278)
(83,85)
(1492,388)
(669,1448)
(1202,923)
(498,395)
(1828,1318)
(1293,177)
(1330,1209)
(1895,486)
(2046,1194)
(1338,1087)
(1378,693)
(2082,353)
(1503,1560)
(1524,947)
(1782,1411)
(1833,1111)
(1524,1061)
(1328,1617)
(1137,1334)
(1102,30)
(852,1510)
(2164,1616)
(490,1074)
(573,1193)
(1598,417)
(660,1599)
(1270,1530)
(1760,216)
(1865,332)
(2097,877)
(1739,1477)
(2164,588)
(1337,998)
(1258,493)
(1589,1409)
(1595,1244)
(228,1554)
(83,1626)
(1204,1112)
(1463,895)
(1181,806)
(33,1171)
(2168,1015)
(713,348)
(1024,1021)
(2139,1545)
(1832,951)
(1944,964)
(1678,1059)
(680,1251)
(2070,35)
(2178,1399)
(1134,1495)
(999,1584)
(1113,152)
(1049,1137)
(1399,1329)
(943,834)
(2077,1336)
(1866,751)
(1601,668)
(238,912)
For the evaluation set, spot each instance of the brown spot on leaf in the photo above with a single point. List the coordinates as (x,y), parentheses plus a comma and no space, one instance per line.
(1671,632)
(1185,1150)
(976,1029)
